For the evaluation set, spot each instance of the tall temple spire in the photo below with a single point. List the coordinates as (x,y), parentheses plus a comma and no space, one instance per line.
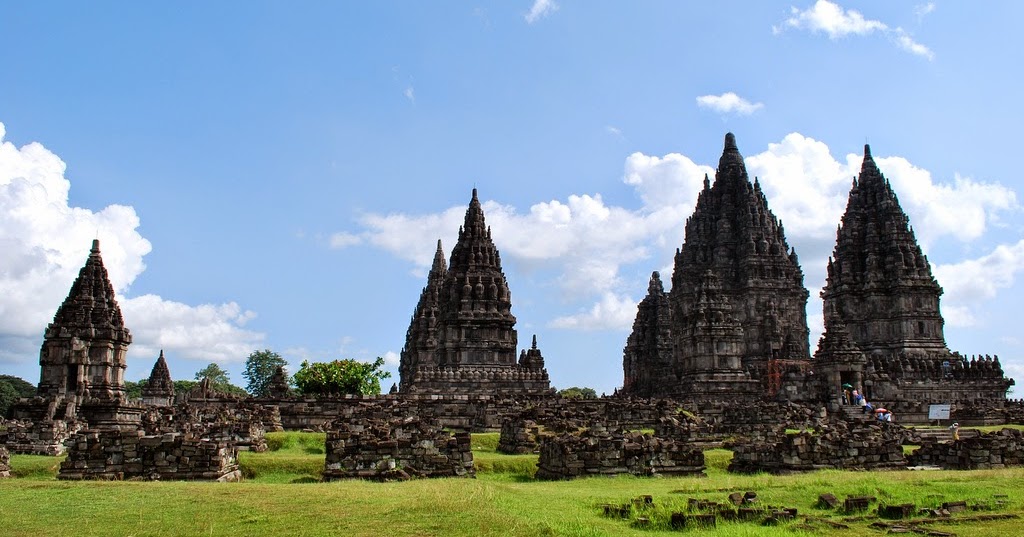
(159,389)
(84,348)
(464,340)
(878,266)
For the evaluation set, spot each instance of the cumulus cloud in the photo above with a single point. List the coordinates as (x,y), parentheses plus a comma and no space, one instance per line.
(728,103)
(391,358)
(612,312)
(831,19)
(207,332)
(972,281)
(46,241)
(539,10)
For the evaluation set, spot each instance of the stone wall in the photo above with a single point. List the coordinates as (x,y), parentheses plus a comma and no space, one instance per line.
(44,437)
(130,454)
(597,451)
(866,446)
(997,449)
(395,448)
(5,462)
(241,424)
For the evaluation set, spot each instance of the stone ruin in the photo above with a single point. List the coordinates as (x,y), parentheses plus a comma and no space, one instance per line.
(462,336)
(997,449)
(5,462)
(39,436)
(131,454)
(833,444)
(395,449)
(597,451)
(241,425)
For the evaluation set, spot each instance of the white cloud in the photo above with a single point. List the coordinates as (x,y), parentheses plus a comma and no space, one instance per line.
(614,131)
(973,281)
(728,103)
(410,94)
(924,9)
(391,358)
(907,43)
(540,9)
(831,19)
(46,241)
(343,239)
(208,332)
(827,17)
(612,312)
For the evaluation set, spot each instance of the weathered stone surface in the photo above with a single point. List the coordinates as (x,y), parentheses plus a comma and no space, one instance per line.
(5,462)
(395,449)
(596,451)
(834,444)
(462,336)
(737,301)
(997,449)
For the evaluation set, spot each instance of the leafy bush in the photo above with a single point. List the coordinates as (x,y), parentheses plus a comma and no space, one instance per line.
(340,377)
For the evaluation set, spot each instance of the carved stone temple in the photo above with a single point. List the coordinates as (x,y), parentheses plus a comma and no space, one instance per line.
(83,354)
(737,308)
(462,336)
(883,329)
(159,389)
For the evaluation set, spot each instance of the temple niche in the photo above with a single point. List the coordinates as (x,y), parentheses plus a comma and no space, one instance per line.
(462,336)
(737,308)
(883,327)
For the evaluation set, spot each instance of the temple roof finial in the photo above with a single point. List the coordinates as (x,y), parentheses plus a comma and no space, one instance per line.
(730,142)
(867,150)
(95,250)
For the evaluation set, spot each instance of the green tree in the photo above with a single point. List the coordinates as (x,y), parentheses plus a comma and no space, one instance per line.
(259,369)
(578,393)
(215,373)
(12,389)
(219,380)
(133,390)
(340,377)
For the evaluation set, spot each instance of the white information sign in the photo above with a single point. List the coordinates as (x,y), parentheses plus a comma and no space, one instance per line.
(938,412)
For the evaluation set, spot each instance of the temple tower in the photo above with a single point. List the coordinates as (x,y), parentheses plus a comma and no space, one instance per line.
(475,325)
(421,337)
(647,357)
(159,389)
(462,337)
(734,238)
(879,283)
(83,352)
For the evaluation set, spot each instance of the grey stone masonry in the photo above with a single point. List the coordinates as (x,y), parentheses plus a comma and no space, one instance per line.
(597,451)
(118,455)
(997,449)
(5,462)
(395,449)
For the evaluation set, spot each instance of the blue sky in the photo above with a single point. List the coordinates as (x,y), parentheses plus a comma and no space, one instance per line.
(272,175)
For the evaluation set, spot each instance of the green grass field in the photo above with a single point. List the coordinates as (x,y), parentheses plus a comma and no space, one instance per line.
(281,495)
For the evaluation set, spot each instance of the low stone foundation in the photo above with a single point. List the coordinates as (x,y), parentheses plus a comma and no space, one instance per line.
(395,449)
(987,451)
(241,425)
(868,446)
(45,437)
(599,452)
(127,454)
(5,462)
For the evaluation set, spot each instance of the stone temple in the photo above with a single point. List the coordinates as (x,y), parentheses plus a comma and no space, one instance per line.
(462,337)
(883,329)
(737,308)
(734,324)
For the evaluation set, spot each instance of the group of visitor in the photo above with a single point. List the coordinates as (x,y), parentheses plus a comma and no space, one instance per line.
(857,398)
